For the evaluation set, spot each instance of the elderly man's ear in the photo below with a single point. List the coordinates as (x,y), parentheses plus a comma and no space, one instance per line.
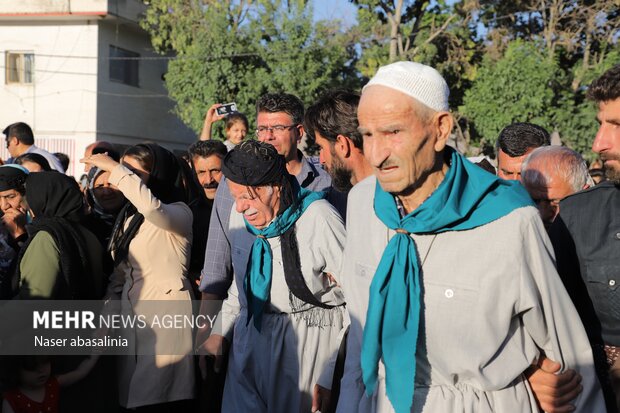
(442,124)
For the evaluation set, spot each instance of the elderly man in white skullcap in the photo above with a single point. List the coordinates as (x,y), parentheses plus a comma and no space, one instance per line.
(447,269)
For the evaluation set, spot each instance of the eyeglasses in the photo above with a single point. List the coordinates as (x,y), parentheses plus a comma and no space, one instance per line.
(278,130)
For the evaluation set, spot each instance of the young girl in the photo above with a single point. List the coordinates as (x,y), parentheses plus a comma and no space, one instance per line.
(34,389)
(235,130)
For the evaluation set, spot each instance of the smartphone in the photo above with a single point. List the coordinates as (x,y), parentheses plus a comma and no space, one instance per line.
(227,109)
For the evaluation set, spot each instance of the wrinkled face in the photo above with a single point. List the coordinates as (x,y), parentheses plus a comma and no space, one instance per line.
(11,199)
(35,378)
(136,167)
(236,133)
(108,196)
(397,143)
(510,168)
(607,141)
(259,204)
(32,166)
(547,197)
(209,173)
(285,141)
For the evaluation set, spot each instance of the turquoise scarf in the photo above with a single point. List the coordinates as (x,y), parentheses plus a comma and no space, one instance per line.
(257,283)
(468,197)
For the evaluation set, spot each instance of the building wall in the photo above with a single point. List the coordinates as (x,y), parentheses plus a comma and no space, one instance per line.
(61,104)
(129,114)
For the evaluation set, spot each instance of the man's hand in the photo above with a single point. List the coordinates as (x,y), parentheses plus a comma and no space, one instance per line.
(216,346)
(553,392)
(14,219)
(321,398)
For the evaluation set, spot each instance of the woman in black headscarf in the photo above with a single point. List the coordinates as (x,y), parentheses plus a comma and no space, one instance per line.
(62,259)
(151,244)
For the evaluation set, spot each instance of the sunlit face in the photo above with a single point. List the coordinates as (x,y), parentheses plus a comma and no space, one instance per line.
(11,199)
(607,140)
(136,167)
(333,164)
(209,173)
(284,141)
(32,166)
(510,168)
(259,205)
(237,132)
(108,195)
(548,196)
(397,143)
(36,378)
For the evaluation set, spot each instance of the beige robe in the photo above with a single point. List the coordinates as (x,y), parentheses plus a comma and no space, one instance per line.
(491,300)
(155,269)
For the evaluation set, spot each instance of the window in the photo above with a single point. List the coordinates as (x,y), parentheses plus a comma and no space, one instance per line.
(124,66)
(19,67)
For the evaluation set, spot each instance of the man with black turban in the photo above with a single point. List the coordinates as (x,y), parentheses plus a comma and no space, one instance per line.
(285,305)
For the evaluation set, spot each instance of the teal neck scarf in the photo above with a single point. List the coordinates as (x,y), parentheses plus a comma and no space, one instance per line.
(257,283)
(468,197)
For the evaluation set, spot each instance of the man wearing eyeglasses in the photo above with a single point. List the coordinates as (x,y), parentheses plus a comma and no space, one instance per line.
(279,123)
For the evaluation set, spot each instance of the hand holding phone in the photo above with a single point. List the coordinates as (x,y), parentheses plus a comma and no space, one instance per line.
(226,109)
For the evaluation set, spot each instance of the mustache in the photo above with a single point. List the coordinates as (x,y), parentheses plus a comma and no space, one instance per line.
(610,157)
(250,211)
(212,185)
(387,164)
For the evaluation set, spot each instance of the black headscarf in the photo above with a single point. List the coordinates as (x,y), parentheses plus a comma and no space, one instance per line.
(166,184)
(13,176)
(58,207)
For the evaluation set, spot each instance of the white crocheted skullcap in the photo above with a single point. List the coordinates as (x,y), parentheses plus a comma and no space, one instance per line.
(419,81)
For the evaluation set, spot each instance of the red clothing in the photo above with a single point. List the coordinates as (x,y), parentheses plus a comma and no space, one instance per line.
(22,404)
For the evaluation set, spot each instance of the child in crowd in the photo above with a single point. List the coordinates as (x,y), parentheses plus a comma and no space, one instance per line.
(31,386)
(236,127)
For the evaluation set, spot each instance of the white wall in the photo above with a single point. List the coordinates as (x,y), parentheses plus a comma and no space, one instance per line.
(61,104)
(129,114)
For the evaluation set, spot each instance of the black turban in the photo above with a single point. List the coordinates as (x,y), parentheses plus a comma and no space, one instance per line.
(13,177)
(253,163)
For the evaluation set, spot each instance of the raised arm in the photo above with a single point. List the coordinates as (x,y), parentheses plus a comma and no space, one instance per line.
(210,118)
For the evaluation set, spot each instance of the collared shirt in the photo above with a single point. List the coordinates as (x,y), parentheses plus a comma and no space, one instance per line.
(586,240)
(217,271)
(53,160)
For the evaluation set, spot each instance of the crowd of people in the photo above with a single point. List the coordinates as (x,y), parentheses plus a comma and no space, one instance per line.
(393,275)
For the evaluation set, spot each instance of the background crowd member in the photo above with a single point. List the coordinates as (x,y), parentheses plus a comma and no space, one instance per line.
(64,160)
(20,140)
(332,121)
(550,174)
(33,162)
(61,259)
(33,388)
(14,218)
(586,240)
(151,244)
(514,143)
(235,129)
(206,163)
(105,202)
(288,303)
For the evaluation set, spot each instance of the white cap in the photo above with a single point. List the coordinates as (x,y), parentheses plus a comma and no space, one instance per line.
(419,81)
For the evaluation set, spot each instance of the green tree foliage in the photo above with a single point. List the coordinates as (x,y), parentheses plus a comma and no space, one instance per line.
(517,88)
(238,50)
